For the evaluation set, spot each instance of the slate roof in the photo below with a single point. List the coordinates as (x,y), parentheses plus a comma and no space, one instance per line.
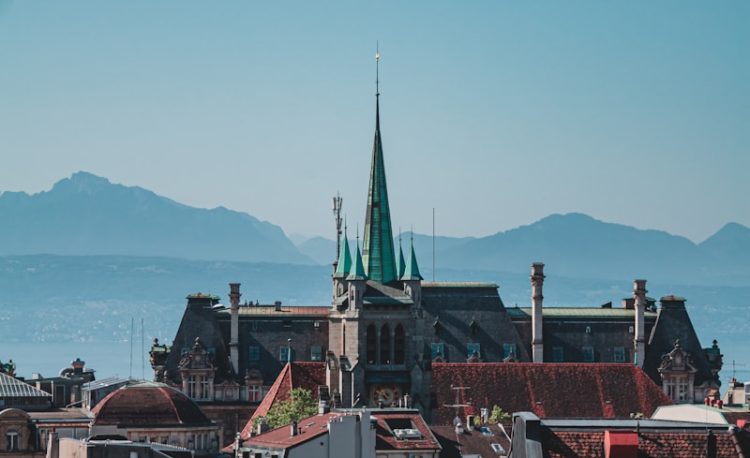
(673,323)
(460,313)
(593,313)
(286,311)
(593,390)
(148,404)
(378,293)
(11,387)
(302,374)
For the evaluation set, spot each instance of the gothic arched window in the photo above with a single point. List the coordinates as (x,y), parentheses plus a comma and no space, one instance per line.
(385,345)
(399,345)
(371,345)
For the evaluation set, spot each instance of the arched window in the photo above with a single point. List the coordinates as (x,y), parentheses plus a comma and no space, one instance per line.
(399,345)
(385,345)
(371,345)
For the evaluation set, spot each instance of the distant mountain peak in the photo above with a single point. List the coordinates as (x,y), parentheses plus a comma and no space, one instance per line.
(83,182)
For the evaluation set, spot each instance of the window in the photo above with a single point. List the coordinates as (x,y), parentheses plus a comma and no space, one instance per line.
(399,345)
(385,344)
(588,329)
(255,393)
(588,354)
(371,345)
(11,441)
(437,349)
(472,349)
(285,354)
(619,354)
(253,353)
(557,354)
(509,350)
(316,353)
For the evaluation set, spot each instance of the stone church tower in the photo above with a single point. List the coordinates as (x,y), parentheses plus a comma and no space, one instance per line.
(376,323)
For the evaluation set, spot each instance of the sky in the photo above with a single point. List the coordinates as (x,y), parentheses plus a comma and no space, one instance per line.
(496,114)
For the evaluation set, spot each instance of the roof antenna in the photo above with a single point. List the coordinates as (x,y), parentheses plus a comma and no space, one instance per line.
(337,204)
(433,244)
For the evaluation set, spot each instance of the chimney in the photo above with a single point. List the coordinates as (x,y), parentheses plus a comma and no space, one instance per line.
(262,426)
(293,428)
(537,298)
(620,444)
(53,445)
(640,303)
(710,445)
(323,407)
(277,305)
(234,341)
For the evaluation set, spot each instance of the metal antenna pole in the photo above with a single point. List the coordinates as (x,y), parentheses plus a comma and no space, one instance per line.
(132,325)
(337,205)
(433,244)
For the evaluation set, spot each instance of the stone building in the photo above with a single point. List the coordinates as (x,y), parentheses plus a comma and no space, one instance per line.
(386,325)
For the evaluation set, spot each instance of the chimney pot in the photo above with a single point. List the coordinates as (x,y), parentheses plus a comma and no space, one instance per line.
(277,304)
(293,428)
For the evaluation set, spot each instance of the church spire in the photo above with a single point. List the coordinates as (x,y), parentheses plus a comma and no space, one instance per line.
(401,262)
(344,264)
(412,269)
(378,254)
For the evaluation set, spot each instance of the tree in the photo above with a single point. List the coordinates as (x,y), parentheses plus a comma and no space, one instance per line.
(498,415)
(300,405)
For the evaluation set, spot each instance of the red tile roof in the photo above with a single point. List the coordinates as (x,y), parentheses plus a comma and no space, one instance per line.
(665,444)
(148,404)
(309,428)
(303,374)
(386,440)
(548,389)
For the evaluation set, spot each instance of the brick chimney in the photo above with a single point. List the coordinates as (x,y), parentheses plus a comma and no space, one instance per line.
(640,303)
(537,298)
(234,341)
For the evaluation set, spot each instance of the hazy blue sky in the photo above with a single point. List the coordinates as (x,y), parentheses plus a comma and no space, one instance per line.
(495,113)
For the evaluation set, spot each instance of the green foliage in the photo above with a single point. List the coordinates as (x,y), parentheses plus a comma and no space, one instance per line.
(477,421)
(498,415)
(302,404)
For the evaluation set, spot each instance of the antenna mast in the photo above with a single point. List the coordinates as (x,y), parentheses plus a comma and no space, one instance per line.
(377,69)
(338,202)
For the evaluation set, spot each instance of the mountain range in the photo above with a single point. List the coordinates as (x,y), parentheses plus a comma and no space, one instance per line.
(86,215)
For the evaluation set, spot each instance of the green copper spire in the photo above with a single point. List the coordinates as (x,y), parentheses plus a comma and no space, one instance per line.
(345,260)
(358,273)
(401,262)
(412,269)
(377,252)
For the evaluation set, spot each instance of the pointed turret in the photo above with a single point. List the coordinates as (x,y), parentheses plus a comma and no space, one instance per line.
(344,264)
(412,269)
(358,273)
(378,253)
(401,262)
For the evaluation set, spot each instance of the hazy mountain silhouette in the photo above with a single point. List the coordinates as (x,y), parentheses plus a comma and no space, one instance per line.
(577,245)
(87,215)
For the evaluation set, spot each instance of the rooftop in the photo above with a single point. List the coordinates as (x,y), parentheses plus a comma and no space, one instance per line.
(594,390)
(11,387)
(458,284)
(272,311)
(390,421)
(615,313)
(280,438)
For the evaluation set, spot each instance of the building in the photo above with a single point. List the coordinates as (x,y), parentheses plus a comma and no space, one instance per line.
(153,412)
(600,438)
(71,448)
(716,414)
(359,433)
(17,394)
(17,435)
(468,441)
(386,326)
(94,391)
(66,387)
